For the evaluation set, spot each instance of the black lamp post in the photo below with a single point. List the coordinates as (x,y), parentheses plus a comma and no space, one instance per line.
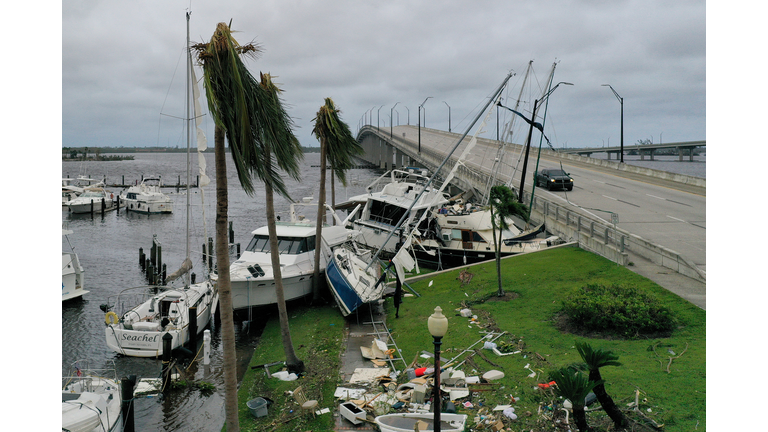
(438,326)
(532,122)
(390,119)
(449,115)
(420,108)
(621,101)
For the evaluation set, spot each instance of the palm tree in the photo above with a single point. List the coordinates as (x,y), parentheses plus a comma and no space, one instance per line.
(246,113)
(337,146)
(574,386)
(503,203)
(595,359)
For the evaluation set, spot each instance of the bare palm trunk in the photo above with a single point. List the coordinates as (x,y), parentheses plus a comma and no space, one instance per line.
(291,361)
(606,401)
(224,287)
(333,193)
(497,247)
(320,217)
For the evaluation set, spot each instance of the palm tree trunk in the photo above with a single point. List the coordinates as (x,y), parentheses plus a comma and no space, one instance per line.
(224,287)
(320,217)
(497,247)
(333,193)
(580,416)
(291,361)
(606,401)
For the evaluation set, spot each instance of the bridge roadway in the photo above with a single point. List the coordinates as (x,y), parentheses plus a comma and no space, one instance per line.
(669,212)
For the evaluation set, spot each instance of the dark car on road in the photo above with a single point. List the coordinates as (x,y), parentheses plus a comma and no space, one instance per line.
(554,178)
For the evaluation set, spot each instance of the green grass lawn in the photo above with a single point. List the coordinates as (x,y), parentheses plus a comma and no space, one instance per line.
(534,284)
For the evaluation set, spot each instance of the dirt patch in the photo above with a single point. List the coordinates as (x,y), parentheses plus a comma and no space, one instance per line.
(566,325)
(506,297)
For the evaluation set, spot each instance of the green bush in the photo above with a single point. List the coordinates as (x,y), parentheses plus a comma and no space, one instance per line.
(615,309)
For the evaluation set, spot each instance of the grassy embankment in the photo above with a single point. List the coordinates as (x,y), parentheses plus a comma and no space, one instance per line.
(534,284)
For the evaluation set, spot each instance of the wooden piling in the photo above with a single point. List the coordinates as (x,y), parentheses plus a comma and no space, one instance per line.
(126,391)
(192,343)
(167,341)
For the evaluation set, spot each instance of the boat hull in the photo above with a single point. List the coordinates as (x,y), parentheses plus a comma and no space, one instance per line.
(343,292)
(140,331)
(261,292)
(405,422)
(147,207)
(86,207)
(72,276)
(91,404)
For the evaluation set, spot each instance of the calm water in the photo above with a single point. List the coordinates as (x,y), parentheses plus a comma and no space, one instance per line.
(697,168)
(108,249)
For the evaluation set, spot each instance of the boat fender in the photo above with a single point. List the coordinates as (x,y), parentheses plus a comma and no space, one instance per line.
(111,318)
(112,196)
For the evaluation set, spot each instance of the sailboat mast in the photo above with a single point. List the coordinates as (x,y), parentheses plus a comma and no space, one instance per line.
(189,129)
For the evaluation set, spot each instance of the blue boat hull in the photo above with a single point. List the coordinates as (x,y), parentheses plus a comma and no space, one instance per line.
(343,292)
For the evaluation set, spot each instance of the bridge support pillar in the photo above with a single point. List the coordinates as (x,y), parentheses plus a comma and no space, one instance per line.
(388,156)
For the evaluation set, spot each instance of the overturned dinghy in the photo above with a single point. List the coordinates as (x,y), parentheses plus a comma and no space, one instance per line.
(405,422)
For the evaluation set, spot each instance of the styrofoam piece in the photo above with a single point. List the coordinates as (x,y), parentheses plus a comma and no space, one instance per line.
(493,375)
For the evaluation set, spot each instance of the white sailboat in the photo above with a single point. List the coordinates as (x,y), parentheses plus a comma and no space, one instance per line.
(90,401)
(147,197)
(72,273)
(354,276)
(147,314)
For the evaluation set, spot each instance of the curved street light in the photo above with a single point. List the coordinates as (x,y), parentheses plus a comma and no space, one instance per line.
(390,118)
(425,119)
(621,101)
(449,115)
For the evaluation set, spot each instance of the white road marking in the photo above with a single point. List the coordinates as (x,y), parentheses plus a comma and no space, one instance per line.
(675,218)
(654,196)
(606,196)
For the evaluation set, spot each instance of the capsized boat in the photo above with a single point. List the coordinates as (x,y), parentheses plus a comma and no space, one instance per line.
(405,422)
(252,277)
(92,199)
(147,197)
(72,273)
(353,276)
(90,401)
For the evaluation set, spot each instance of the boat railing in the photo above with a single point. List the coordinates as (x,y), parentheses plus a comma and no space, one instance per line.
(82,370)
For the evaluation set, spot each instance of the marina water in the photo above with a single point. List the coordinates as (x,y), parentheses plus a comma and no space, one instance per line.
(108,248)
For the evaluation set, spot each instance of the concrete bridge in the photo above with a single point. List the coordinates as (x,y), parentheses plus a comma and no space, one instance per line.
(683,149)
(652,221)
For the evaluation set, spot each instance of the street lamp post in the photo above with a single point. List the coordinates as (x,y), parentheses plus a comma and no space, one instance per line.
(425,120)
(532,122)
(409,115)
(378,116)
(449,115)
(438,326)
(390,118)
(621,101)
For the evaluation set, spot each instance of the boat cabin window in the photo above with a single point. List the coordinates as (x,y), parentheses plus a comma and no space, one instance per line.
(286,245)
(386,213)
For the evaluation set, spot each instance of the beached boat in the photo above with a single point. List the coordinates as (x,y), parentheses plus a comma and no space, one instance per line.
(90,402)
(252,277)
(402,199)
(353,274)
(93,199)
(406,422)
(72,273)
(147,197)
(461,234)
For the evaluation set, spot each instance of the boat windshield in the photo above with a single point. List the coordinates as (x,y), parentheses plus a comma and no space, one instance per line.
(286,245)
(92,194)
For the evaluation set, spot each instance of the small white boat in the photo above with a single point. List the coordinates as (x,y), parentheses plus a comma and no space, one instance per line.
(90,402)
(138,330)
(252,278)
(72,273)
(147,197)
(405,422)
(91,200)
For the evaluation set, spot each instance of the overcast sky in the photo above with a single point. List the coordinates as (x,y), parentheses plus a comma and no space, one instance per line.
(123,70)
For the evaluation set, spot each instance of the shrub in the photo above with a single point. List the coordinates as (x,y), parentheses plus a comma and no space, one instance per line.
(615,309)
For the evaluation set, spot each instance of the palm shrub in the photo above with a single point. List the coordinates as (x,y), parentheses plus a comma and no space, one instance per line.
(595,359)
(616,309)
(574,386)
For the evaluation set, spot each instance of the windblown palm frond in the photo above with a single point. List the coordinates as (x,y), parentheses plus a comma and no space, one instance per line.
(249,111)
(340,145)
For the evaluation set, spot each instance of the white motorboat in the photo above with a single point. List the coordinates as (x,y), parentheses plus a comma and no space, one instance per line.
(90,402)
(138,330)
(92,200)
(72,273)
(252,278)
(402,200)
(147,197)
(69,190)
(405,422)
(146,314)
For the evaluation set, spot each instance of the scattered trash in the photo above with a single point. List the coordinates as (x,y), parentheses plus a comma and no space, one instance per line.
(466,313)
(493,375)
(510,413)
(352,412)
(257,407)
(489,346)
(285,376)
